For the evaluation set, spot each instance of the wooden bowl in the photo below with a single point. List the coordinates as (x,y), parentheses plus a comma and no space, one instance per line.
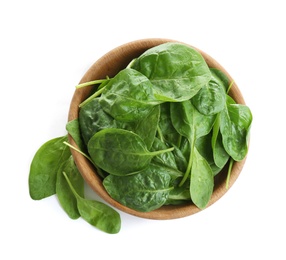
(109,65)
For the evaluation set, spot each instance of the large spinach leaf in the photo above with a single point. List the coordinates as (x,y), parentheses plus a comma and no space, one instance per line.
(120,152)
(128,96)
(176,71)
(145,191)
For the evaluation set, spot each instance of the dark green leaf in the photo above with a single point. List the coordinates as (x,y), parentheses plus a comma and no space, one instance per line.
(44,167)
(202,181)
(128,96)
(177,71)
(210,99)
(97,213)
(235,122)
(65,195)
(145,191)
(73,129)
(120,152)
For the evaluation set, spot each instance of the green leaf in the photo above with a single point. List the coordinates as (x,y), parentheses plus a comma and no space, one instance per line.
(176,71)
(202,181)
(65,195)
(120,152)
(210,99)
(97,213)
(93,119)
(44,167)
(145,191)
(128,96)
(235,123)
(74,130)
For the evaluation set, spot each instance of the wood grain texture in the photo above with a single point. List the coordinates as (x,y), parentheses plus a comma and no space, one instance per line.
(109,65)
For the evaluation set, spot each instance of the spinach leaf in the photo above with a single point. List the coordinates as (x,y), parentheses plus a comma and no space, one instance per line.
(166,130)
(92,119)
(202,181)
(120,152)
(44,167)
(74,130)
(203,146)
(165,160)
(219,153)
(128,96)
(145,191)
(235,122)
(65,195)
(176,71)
(96,213)
(220,78)
(191,124)
(210,99)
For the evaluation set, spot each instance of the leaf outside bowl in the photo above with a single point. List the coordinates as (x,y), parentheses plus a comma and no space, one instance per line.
(109,65)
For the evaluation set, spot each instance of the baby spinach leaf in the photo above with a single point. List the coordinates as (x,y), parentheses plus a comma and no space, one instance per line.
(96,213)
(220,78)
(73,129)
(176,71)
(202,181)
(235,122)
(145,191)
(44,167)
(179,194)
(65,195)
(120,152)
(128,96)
(191,124)
(93,118)
(210,99)
(166,130)
(203,146)
(165,160)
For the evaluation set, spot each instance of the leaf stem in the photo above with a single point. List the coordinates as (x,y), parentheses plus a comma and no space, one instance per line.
(162,151)
(79,151)
(94,95)
(230,85)
(89,83)
(189,167)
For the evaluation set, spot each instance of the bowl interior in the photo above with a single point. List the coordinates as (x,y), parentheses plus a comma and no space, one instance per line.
(109,65)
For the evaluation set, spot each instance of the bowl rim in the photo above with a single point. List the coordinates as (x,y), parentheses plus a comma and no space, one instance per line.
(112,62)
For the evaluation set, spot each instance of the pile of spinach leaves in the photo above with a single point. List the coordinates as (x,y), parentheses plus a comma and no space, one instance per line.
(158,133)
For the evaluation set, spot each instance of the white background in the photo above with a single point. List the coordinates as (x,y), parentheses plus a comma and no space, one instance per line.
(47,46)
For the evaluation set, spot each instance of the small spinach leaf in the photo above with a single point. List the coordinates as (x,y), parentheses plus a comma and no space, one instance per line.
(65,195)
(202,181)
(235,122)
(210,99)
(44,167)
(74,130)
(96,213)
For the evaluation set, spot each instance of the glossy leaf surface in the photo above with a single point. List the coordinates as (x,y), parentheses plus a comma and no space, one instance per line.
(44,167)
(145,191)
(176,71)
